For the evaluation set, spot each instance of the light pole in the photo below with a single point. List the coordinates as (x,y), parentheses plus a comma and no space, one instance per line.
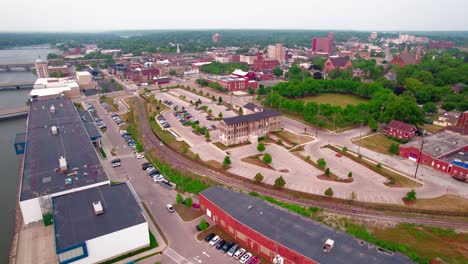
(419,157)
(359,141)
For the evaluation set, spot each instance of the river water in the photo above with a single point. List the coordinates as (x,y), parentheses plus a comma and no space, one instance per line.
(9,162)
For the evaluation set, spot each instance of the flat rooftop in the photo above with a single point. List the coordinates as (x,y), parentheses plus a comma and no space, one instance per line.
(75,221)
(41,175)
(440,144)
(299,234)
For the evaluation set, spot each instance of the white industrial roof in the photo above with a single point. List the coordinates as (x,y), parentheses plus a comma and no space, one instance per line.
(48,91)
(83,73)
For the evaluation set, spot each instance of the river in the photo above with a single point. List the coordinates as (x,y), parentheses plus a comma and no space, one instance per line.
(9,162)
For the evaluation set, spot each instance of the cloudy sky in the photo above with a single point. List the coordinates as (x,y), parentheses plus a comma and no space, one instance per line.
(97,15)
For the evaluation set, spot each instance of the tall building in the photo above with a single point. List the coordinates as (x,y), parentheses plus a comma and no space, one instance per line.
(373,35)
(323,45)
(216,38)
(277,52)
(41,68)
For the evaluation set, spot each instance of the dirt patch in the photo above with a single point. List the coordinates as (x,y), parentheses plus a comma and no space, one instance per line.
(446,202)
(187,214)
(295,139)
(216,164)
(255,160)
(284,170)
(378,143)
(338,155)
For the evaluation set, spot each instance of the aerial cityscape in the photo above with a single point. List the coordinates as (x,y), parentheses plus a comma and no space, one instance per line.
(179,133)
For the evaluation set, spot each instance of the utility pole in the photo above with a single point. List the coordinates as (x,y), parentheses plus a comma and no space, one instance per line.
(419,157)
(359,141)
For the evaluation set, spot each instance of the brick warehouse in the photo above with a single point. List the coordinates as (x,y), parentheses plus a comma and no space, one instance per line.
(257,225)
(445,151)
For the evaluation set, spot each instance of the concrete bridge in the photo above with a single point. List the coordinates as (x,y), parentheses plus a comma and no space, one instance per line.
(16,85)
(30,66)
(17,66)
(14,112)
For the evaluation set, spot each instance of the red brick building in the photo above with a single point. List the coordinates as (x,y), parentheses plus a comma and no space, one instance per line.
(407,58)
(139,75)
(440,44)
(233,83)
(216,38)
(267,230)
(445,151)
(337,63)
(401,130)
(323,45)
(261,64)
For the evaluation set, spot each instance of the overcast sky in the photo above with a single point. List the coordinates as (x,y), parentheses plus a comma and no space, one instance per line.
(98,15)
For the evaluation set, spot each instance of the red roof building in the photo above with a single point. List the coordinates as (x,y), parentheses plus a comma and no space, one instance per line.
(407,58)
(401,130)
(233,83)
(337,63)
(440,44)
(261,64)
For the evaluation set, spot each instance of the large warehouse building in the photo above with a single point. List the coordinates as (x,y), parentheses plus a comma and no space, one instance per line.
(96,224)
(445,151)
(58,157)
(268,230)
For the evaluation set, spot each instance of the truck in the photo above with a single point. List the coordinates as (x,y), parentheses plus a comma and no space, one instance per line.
(169,185)
(327,247)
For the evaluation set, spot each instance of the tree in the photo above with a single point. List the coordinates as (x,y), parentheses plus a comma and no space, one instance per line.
(241,111)
(278,72)
(220,100)
(327,172)
(344,149)
(213,98)
(267,158)
(448,106)
(261,147)
(410,196)
(404,109)
(321,163)
(430,107)
(179,198)
(393,148)
(172,72)
(258,177)
(207,134)
(372,124)
(203,224)
(227,161)
(188,202)
(220,115)
(350,174)
(329,192)
(280,182)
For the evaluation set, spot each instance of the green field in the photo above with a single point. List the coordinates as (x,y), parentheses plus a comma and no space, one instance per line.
(335,99)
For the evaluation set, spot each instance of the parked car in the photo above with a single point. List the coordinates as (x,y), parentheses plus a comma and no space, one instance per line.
(233,249)
(210,236)
(239,253)
(144,167)
(170,208)
(116,164)
(158,178)
(214,240)
(226,247)
(145,163)
(220,244)
(254,260)
(140,156)
(245,258)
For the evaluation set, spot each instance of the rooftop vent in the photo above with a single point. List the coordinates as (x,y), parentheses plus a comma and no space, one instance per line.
(63,164)
(258,109)
(98,208)
(52,109)
(54,130)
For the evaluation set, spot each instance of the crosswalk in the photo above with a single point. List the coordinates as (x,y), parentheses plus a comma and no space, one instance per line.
(176,257)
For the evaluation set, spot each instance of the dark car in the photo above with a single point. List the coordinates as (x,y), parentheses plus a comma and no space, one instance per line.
(226,247)
(220,244)
(209,236)
(198,227)
(146,166)
(146,163)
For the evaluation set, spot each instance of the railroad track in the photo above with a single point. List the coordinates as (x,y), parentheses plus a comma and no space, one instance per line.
(182,163)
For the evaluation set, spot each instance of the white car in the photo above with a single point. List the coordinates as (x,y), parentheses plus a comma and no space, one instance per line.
(158,178)
(214,240)
(115,164)
(245,258)
(239,253)
(140,156)
(170,208)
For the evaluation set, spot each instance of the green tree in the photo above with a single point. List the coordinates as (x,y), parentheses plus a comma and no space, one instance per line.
(350,174)
(241,111)
(203,224)
(327,172)
(179,198)
(393,148)
(410,196)
(207,134)
(188,202)
(213,98)
(321,163)
(220,100)
(267,158)
(430,107)
(278,72)
(258,177)
(329,192)
(261,147)
(172,72)
(372,124)
(220,115)
(227,161)
(280,182)
(403,109)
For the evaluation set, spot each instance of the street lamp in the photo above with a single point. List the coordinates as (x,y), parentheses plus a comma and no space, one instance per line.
(359,141)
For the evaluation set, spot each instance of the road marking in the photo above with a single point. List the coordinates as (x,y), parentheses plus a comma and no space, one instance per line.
(204,253)
(174,256)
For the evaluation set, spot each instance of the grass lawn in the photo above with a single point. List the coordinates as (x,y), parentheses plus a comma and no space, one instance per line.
(296,139)
(335,99)
(255,160)
(446,202)
(378,143)
(428,242)
(187,214)
(432,128)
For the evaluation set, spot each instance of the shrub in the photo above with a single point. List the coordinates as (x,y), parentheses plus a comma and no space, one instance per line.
(379,166)
(280,182)
(321,163)
(188,202)
(350,174)
(227,161)
(410,196)
(344,149)
(267,158)
(393,148)
(179,198)
(329,192)
(308,157)
(203,224)
(327,172)
(279,141)
(261,147)
(258,177)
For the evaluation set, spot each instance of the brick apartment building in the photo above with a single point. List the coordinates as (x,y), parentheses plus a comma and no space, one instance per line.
(323,45)
(401,130)
(249,127)
(233,83)
(261,64)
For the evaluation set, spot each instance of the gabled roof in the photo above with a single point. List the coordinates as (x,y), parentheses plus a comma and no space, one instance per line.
(401,126)
(339,62)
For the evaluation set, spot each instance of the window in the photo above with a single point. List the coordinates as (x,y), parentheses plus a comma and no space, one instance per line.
(76,253)
(231,230)
(223,223)
(208,212)
(264,250)
(241,236)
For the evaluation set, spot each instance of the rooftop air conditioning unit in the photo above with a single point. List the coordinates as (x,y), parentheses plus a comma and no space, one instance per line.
(54,130)
(63,164)
(97,206)
(52,109)
(258,109)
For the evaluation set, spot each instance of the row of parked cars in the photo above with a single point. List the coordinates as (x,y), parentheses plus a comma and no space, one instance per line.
(118,120)
(106,106)
(185,118)
(92,111)
(170,104)
(128,138)
(162,121)
(231,249)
